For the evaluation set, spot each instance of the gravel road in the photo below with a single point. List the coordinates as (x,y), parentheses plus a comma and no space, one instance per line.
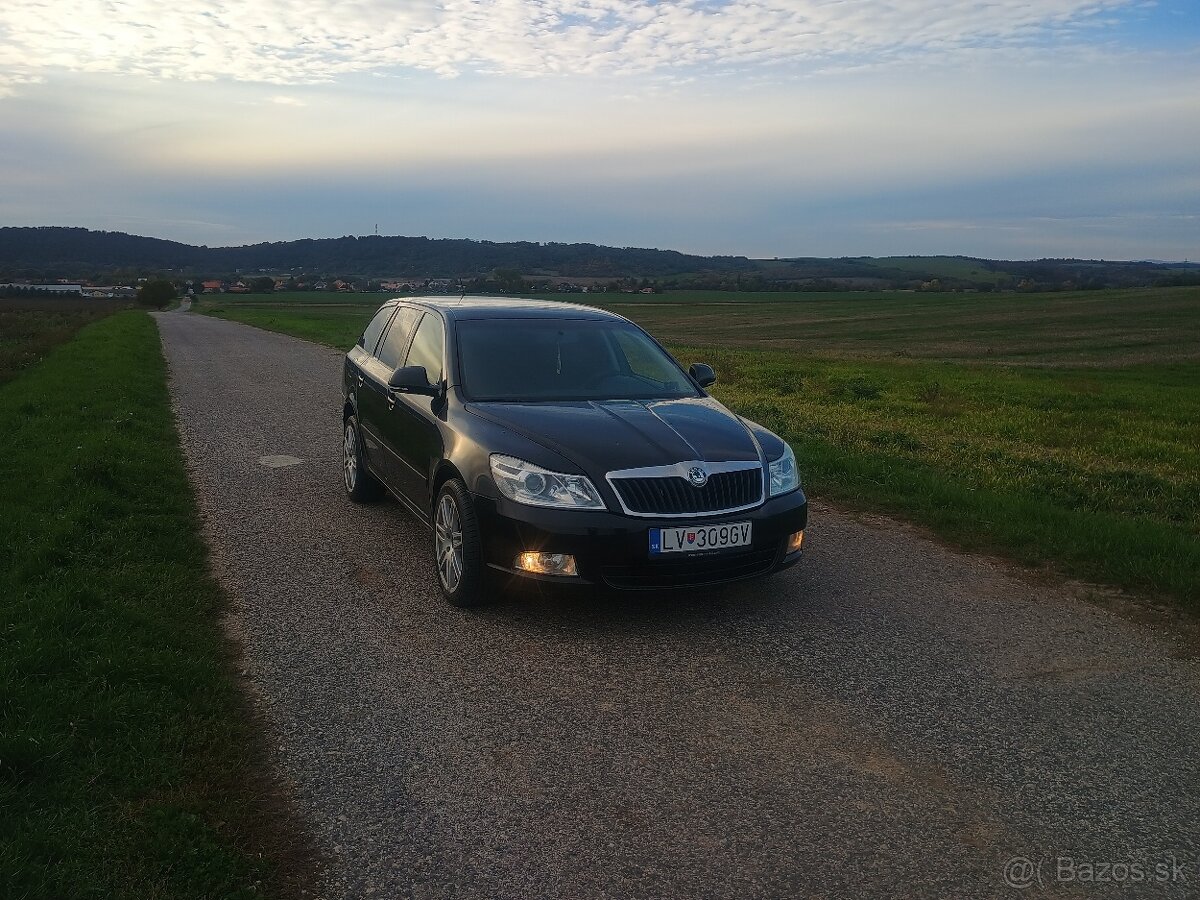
(888,719)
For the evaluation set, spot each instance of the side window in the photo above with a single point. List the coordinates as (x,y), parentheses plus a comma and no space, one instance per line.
(371,336)
(395,341)
(428,347)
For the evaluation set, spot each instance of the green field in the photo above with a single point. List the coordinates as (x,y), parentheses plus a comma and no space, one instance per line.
(939,267)
(129,764)
(1060,429)
(338,326)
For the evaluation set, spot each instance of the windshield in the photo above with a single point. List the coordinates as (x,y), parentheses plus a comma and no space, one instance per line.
(565,359)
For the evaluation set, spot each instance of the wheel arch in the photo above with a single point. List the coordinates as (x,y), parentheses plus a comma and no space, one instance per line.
(445,471)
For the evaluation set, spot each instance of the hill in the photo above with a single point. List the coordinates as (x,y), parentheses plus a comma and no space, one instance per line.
(72,252)
(80,254)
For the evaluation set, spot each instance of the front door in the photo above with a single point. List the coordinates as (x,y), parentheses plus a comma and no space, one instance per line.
(412,427)
(376,400)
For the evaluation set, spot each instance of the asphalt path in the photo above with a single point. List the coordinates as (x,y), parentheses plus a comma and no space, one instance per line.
(887,719)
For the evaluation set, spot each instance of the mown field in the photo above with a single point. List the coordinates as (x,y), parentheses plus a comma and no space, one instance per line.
(1085,328)
(1059,429)
(129,763)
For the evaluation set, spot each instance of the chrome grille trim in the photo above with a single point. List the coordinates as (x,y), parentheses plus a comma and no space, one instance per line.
(678,475)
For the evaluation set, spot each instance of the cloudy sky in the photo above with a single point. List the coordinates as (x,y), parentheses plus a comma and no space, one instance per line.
(998,128)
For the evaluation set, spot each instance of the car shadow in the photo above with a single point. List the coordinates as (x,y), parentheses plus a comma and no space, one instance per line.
(538,606)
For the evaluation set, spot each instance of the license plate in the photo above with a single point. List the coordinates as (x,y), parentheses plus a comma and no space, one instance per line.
(697,538)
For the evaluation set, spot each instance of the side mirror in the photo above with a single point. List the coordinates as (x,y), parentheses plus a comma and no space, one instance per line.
(412,380)
(702,374)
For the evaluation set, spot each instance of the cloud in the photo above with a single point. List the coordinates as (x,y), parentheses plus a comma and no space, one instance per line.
(10,82)
(770,127)
(304,41)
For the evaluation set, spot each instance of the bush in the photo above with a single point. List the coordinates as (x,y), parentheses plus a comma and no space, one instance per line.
(156,292)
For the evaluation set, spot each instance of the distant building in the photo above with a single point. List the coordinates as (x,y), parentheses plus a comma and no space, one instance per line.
(116,292)
(74,289)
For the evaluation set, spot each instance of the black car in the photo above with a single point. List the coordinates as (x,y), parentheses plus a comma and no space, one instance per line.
(551,441)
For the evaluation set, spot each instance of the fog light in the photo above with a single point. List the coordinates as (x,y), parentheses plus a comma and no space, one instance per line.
(795,542)
(547,563)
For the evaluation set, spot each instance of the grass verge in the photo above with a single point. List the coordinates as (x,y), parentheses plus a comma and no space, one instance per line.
(1050,445)
(129,762)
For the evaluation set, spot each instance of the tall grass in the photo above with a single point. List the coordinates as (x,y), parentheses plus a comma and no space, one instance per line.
(31,327)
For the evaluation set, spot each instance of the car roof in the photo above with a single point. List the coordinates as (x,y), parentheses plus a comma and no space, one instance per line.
(456,308)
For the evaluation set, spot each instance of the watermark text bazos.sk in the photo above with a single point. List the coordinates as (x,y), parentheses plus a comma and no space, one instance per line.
(1066,868)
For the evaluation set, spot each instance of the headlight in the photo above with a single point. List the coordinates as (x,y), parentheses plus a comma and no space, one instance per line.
(526,483)
(784,476)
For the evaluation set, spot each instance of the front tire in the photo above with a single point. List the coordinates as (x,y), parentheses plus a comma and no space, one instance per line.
(458,552)
(361,486)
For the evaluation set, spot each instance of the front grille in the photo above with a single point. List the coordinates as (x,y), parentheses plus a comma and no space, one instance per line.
(674,496)
(690,572)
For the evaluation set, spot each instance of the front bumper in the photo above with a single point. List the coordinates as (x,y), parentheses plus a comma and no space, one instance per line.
(614,550)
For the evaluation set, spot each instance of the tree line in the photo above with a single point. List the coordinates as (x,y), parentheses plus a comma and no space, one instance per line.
(117,258)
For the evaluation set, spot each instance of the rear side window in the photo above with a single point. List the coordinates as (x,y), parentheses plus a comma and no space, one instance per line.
(370,337)
(428,346)
(395,341)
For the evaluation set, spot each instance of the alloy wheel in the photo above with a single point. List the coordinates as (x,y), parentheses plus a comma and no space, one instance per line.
(449,541)
(350,451)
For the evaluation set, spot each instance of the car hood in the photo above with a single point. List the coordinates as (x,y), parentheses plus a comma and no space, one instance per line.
(607,435)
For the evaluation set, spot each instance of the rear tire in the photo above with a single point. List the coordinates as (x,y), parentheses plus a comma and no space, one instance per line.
(361,486)
(458,550)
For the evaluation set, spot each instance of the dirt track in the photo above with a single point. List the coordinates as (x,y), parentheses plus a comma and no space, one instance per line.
(887,719)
